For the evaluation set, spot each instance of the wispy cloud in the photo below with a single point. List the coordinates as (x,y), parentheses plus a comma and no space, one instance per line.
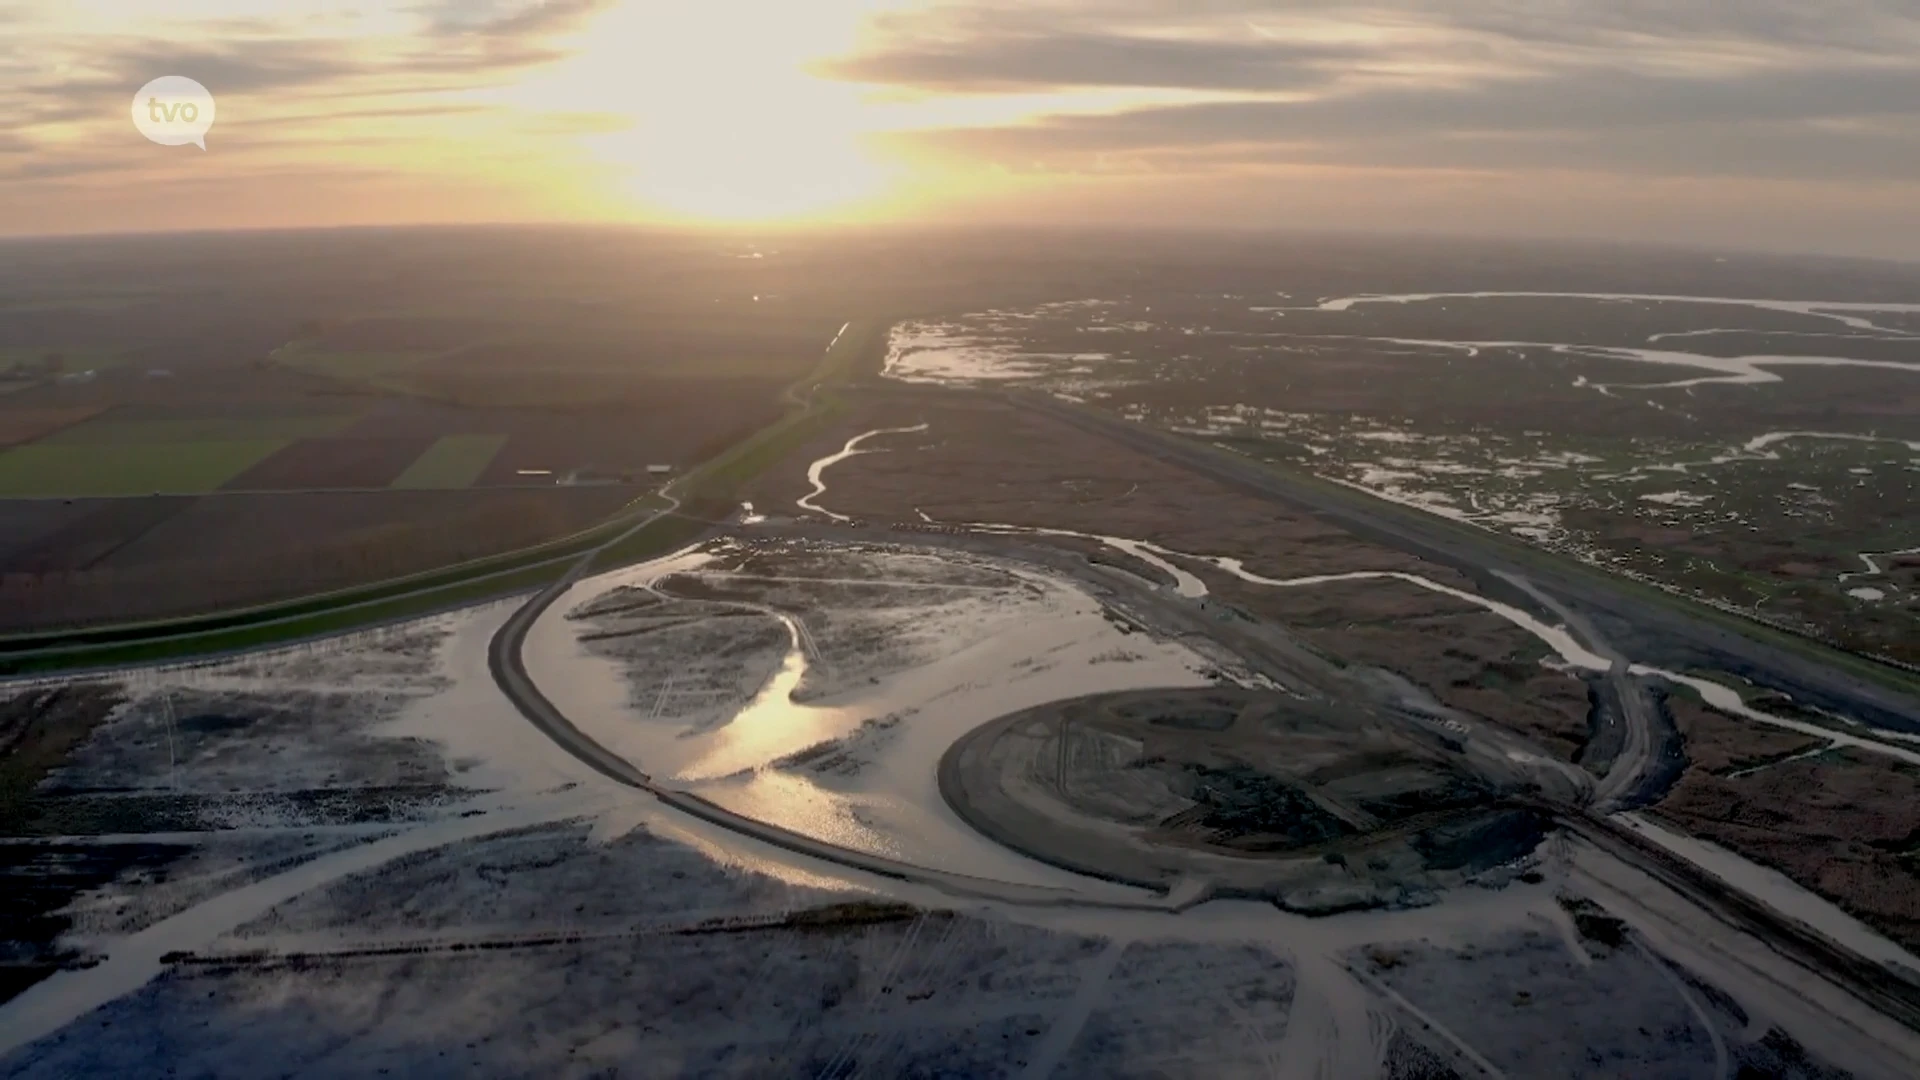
(328,79)
(540,18)
(1689,87)
(1074,58)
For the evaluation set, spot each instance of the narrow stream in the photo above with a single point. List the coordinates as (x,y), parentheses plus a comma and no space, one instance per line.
(1571,652)
(851,449)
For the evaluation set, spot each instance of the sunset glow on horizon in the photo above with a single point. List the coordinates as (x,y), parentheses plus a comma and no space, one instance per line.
(1694,122)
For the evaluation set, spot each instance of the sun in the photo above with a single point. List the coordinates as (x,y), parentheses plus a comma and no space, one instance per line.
(713,114)
(759,150)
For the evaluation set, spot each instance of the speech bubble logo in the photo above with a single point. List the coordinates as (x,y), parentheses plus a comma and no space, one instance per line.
(174,110)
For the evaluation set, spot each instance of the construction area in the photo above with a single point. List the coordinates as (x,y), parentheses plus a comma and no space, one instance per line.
(1315,806)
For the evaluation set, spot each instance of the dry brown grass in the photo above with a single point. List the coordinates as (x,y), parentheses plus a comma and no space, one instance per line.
(1845,825)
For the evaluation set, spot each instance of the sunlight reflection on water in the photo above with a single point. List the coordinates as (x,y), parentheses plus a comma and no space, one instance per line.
(772,725)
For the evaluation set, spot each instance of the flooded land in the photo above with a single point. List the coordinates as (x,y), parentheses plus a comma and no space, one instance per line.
(1170,682)
(1759,454)
(416,879)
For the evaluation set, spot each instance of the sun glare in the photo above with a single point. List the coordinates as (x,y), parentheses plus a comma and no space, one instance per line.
(764,148)
(713,116)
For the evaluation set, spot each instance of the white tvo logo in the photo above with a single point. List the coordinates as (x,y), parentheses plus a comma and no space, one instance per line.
(174,110)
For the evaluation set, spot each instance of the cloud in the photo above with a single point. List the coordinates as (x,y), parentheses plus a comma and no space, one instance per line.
(258,65)
(465,36)
(67,78)
(508,20)
(1584,101)
(544,18)
(1873,26)
(1518,95)
(1084,59)
(361,84)
(1685,87)
(55,168)
(99,91)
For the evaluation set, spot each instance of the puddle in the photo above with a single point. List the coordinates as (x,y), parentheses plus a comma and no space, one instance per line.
(1676,498)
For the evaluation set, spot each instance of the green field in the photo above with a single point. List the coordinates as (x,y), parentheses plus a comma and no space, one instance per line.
(56,468)
(108,430)
(455,461)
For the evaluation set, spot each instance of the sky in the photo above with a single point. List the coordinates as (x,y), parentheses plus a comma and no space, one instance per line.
(1748,124)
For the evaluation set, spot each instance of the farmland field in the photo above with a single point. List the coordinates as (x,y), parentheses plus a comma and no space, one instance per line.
(455,461)
(155,558)
(46,470)
(25,425)
(431,481)
(332,463)
(377,368)
(55,536)
(119,429)
(324,427)
(598,354)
